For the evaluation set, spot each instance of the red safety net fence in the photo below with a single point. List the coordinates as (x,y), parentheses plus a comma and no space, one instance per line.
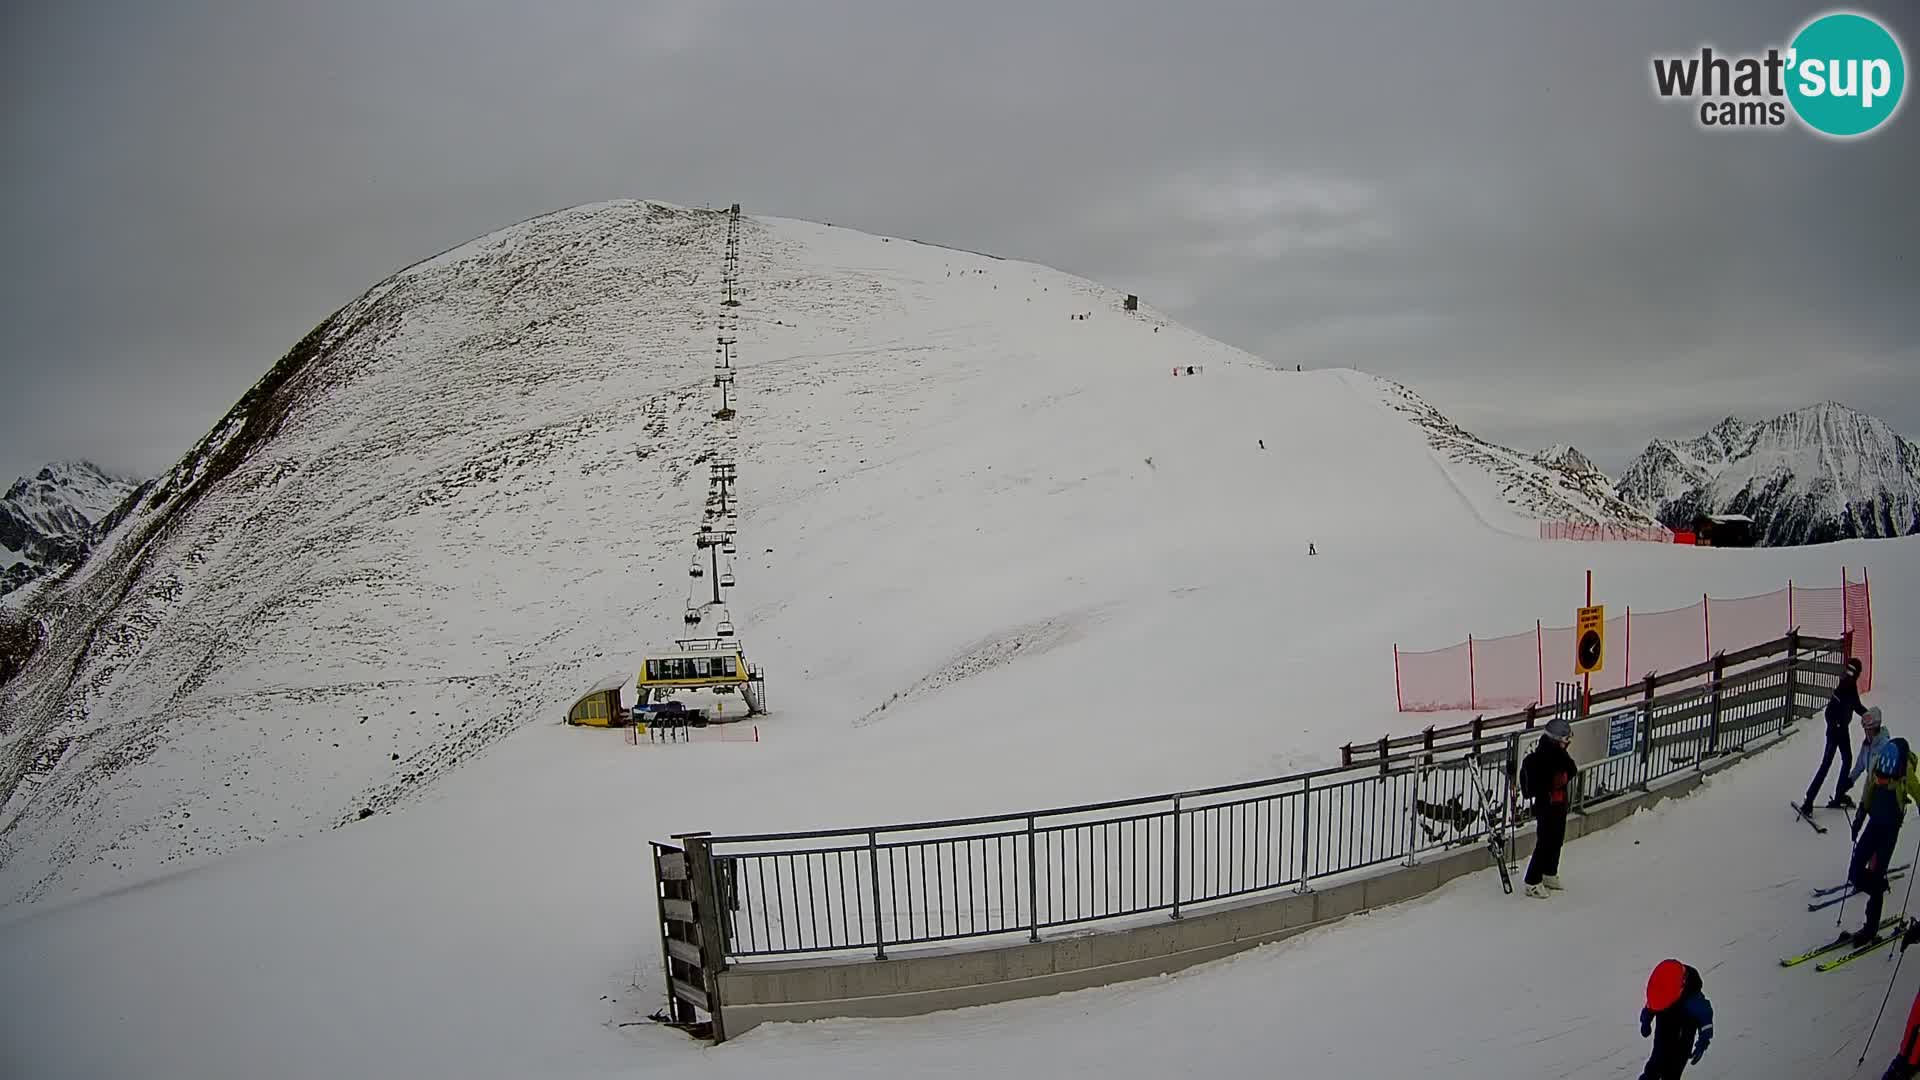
(1589,530)
(1519,670)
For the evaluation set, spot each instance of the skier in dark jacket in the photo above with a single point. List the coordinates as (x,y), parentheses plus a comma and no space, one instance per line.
(1545,776)
(1841,709)
(1679,1017)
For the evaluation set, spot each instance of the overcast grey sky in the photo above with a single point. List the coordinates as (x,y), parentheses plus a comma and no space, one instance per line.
(1483,200)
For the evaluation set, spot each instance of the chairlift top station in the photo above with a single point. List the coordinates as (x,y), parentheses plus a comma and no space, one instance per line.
(717,661)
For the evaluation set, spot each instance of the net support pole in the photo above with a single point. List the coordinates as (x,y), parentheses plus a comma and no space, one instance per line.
(1473,684)
(1399,702)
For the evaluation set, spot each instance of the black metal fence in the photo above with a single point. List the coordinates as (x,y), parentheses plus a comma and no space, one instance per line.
(784,894)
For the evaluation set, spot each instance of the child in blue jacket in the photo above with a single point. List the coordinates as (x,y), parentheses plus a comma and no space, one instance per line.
(1679,1017)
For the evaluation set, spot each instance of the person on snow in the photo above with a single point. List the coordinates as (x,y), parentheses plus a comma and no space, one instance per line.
(1884,802)
(1679,1018)
(1873,737)
(1545,776)
(1841,709)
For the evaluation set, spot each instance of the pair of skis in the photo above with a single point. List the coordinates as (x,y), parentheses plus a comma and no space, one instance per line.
(1496,826)
(1834,894)
(1808,818)
(1890,931)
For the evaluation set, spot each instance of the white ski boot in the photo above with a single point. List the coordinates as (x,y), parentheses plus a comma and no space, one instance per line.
(1552,881)
(1537,892)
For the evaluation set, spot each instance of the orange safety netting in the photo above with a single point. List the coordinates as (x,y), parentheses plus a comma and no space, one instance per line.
(1515,671)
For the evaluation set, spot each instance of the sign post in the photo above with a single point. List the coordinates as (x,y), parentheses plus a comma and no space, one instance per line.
(1590,644)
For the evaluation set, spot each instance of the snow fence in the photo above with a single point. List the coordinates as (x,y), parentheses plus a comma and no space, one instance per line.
(1518,670)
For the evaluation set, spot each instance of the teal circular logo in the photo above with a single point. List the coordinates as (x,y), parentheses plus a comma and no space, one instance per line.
(1846,74)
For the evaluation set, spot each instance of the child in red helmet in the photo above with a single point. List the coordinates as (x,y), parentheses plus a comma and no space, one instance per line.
(1679,1017)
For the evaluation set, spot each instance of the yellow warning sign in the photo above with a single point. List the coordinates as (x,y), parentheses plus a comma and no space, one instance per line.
(1590,640)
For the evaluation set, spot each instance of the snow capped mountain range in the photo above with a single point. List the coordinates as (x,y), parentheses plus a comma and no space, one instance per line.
(1822,473)
(48,521)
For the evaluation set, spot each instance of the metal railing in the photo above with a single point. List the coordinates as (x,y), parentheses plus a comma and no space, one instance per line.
(838,890)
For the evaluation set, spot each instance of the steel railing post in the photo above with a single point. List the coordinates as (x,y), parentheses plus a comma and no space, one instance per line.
(873,868)
(1033,885)
(1176,856)
(1306,804)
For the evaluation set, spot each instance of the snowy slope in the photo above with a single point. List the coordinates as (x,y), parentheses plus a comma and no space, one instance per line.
(47,521)
(1814,475)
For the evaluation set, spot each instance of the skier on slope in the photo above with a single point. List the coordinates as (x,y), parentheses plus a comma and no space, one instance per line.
(1544,777)
(1876,828)
(1873,737)
(1679,1018)
(1841,708)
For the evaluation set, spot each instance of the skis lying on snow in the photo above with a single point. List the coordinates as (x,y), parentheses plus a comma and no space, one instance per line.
(1836,945)
(1808,818)
(1889,935)
(1845,893)
(1892,872)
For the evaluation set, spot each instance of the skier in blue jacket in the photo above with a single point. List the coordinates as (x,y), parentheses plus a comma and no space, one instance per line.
(1873,737)
(1679,1018)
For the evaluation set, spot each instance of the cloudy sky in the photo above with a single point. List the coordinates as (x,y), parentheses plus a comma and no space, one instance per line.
(1483,200)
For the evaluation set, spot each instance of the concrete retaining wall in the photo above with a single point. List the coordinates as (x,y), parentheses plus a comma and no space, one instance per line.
(928,981)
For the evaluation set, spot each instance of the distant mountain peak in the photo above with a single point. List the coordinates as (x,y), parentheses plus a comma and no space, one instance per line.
(1562,456)
(50,520)
(1821,472)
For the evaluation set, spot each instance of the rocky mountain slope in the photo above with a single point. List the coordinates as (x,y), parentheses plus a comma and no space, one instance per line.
(1559,484)
(1818,474)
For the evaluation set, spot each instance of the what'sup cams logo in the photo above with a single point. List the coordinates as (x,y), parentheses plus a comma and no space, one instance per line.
(1842,76)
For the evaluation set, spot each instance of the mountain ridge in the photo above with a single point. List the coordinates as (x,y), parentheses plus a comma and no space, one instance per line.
(1816,474)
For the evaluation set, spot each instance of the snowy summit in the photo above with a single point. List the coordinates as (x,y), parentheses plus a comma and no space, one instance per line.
(1814,475)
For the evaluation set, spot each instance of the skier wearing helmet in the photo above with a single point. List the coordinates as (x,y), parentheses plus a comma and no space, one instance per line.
(1679,1018)
(1841,708)
(1877,828)
(1545,776)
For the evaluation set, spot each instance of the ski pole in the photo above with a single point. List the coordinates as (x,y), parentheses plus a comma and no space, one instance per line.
(1891,979)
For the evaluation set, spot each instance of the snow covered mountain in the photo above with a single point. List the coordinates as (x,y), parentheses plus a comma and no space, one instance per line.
(473,490)
(47,521)
(1818,474)
(1558,484)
